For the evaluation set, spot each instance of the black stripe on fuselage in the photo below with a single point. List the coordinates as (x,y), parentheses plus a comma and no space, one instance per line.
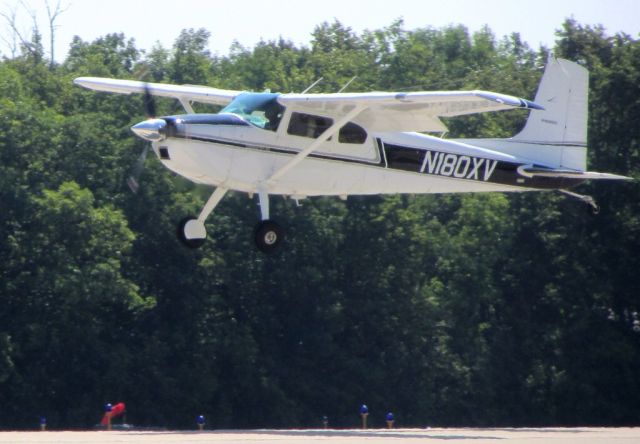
(429,162)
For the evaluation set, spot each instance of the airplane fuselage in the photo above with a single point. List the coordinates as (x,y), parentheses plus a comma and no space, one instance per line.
(224,150)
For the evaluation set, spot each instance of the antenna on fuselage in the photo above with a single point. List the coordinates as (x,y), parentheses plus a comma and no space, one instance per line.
(312,85)
(347,84)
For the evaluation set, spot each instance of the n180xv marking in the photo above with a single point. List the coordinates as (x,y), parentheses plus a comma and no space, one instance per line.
(457,165)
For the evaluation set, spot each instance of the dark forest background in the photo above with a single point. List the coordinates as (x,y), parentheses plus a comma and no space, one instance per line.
(467,310)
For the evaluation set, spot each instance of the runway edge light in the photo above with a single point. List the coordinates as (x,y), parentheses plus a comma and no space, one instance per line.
(364,412)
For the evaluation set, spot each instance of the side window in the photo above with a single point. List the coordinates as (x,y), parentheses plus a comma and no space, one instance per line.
(307,125)
(352,133)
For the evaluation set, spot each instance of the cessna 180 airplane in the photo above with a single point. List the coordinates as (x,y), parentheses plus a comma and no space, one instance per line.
(342,144)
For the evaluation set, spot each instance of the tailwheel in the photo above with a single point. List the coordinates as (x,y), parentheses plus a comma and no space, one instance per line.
(268,236)
(592,205)
(593,208)
(191,232)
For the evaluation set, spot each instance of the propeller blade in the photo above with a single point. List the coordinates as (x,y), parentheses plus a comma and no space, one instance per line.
(146,130)
(149,102)
(132,180)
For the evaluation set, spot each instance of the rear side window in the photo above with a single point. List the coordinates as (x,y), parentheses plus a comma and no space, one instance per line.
(352,133)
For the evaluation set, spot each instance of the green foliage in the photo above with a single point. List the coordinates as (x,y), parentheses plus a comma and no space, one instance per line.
(448,310)
(190,61)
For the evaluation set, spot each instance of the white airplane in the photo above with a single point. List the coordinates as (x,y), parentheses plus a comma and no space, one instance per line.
(342,144)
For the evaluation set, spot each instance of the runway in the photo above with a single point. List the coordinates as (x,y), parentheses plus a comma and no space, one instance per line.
(449,436)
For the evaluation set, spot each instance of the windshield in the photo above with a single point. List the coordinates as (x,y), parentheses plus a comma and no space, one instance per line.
(259,109)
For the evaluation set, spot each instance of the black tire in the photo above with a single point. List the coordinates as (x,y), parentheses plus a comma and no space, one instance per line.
(268,236)
(191,243)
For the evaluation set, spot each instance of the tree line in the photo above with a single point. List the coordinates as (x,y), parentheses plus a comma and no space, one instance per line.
(467,310)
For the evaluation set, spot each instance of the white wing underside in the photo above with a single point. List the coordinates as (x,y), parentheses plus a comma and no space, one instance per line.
(382,111)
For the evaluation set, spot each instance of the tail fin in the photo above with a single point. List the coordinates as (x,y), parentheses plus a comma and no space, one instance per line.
(555,137)
(563,91)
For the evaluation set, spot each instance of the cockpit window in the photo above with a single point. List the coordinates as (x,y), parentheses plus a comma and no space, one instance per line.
(306,125)
(259,109)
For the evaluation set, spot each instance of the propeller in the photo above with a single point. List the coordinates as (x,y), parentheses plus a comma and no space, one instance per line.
(149,104)
(133,179)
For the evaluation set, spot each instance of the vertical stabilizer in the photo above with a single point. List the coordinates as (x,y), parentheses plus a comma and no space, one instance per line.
(563,91)
(555,137)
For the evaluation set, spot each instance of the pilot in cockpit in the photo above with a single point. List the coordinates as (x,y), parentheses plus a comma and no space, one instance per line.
(273,113)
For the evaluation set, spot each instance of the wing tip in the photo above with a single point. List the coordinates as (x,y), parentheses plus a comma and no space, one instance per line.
(504,99)
(531,105)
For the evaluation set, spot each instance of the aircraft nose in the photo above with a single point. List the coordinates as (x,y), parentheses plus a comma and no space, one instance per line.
(151,130)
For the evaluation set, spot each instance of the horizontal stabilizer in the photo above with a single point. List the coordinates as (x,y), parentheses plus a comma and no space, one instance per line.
(532,171)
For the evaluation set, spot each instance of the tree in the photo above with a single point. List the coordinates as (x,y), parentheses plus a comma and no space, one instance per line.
(190,62)
(68,304)
(53,14)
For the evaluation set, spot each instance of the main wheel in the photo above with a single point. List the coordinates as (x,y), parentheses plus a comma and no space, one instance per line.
(191,232)
(268,236)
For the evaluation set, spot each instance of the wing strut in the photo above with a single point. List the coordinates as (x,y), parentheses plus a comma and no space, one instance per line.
(186,105)
(332,130)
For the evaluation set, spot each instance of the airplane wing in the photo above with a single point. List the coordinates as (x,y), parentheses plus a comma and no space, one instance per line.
(382,111)
(414,111)
(184,93)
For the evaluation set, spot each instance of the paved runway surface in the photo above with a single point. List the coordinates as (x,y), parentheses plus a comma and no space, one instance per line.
(448,436)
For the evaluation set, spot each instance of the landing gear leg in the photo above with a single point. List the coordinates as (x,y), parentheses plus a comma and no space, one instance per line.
(268,235)
(191,230)
(593,206)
